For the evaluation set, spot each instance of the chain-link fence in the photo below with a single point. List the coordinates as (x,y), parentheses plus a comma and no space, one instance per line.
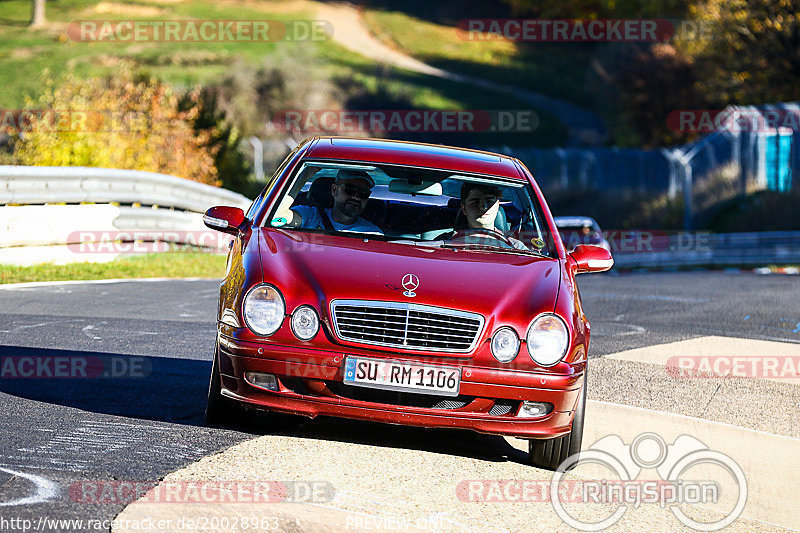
(745,149)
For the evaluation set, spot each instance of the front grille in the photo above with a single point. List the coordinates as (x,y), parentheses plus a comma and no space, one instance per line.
(406,325)
(503,407)
(449,404)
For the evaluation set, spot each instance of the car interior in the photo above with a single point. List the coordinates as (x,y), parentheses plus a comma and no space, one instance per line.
(421,219)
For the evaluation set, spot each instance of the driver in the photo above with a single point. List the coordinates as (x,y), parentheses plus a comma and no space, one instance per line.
(350,192)
(480,204)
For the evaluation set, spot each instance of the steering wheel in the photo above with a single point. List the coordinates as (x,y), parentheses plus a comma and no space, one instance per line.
(494,234)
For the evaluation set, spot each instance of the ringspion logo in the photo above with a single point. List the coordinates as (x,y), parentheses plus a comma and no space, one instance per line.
(687,472)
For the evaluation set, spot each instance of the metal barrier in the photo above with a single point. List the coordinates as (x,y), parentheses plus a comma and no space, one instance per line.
(21,185)
(47,210)
(697,249)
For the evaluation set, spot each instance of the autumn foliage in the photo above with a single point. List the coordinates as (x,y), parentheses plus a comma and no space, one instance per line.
(124,121)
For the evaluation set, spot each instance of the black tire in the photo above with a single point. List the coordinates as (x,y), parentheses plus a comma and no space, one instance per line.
(219,409)
(549,453)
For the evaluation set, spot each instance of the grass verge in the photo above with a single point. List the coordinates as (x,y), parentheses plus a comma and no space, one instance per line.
(541,67)
(156,265)
(25,53)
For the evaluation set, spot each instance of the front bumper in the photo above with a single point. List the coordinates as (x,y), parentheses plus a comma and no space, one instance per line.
(311,385)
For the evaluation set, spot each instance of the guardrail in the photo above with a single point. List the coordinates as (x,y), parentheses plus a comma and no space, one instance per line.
(21,185)
(711,250)
(46,209)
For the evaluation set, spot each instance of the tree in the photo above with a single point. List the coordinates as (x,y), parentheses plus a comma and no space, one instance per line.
(748,50)
(649,82)
(122,121)
(37,16)
(598,9)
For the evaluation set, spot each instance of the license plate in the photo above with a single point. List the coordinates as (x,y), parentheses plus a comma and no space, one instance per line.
(408,377)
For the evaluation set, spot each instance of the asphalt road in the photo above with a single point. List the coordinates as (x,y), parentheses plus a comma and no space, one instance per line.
(146,348)
(642,309)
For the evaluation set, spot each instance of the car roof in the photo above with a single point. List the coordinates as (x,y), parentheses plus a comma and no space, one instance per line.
(415,154)
(566,221)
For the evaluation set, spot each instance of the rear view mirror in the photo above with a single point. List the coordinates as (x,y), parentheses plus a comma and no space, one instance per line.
(591,258)
(425,188)
(224,218)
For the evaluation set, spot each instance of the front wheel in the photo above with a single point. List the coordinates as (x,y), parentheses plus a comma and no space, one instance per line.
(219,409)
(549,453)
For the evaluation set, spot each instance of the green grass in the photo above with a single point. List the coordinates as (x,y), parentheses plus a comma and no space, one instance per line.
(548,68)
(25,53)
(758,211)
(429,92)
(155,265)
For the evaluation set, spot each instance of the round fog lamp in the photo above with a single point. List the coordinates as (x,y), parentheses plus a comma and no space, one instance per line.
(305,323)
(505,344)
(532,409)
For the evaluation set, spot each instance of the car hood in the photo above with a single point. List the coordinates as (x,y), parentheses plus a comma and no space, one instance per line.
(329,267)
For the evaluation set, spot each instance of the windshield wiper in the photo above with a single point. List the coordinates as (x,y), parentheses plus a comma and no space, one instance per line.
(469,246)
(490,248)
(426,244)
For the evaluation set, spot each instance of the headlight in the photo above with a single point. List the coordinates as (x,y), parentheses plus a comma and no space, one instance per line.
(264,310)
(505,345)
(305,323)
(548,340)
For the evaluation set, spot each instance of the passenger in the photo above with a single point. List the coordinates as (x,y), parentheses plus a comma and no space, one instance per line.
(350,192)
(480,204)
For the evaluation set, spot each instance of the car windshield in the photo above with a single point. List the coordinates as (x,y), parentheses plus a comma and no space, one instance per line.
(581,232)
(414,206)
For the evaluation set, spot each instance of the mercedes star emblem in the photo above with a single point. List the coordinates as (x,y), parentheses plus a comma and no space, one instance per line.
(410,283)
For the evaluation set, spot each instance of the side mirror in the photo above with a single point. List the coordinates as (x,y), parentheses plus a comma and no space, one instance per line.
(224,218)
(591,258)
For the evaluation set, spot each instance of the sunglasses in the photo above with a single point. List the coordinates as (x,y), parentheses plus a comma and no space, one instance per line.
(350,190)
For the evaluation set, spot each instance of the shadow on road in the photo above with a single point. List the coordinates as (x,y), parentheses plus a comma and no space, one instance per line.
(455,442)
(174,390)
(152,388)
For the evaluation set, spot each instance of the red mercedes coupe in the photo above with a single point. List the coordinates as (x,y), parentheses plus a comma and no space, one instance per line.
(404,283)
